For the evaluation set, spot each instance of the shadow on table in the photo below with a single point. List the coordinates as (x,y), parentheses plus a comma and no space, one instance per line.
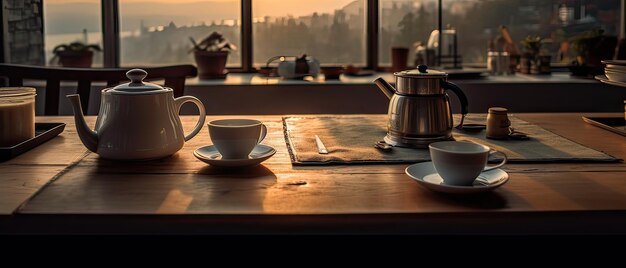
(246,172)
(489,200)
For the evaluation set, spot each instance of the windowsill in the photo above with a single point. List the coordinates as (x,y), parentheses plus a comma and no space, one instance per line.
(253,79)
(245,79)
(252,94)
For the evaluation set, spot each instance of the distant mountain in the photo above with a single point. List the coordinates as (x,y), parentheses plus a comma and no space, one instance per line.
(73,17)
(355,7)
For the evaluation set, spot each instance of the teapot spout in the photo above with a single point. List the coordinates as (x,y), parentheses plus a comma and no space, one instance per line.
(87,136)
(385,87)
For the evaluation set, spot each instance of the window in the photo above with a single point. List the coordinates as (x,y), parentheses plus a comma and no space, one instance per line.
(337,32)
(557,21)
(157,32)
(403,23)
(69,21)
(332,31)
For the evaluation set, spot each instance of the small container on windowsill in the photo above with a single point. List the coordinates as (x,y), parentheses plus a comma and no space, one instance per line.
(268,71)
(543,64)
(332,72)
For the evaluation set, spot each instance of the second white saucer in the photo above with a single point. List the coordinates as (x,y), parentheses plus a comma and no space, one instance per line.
(210,155)
(426,175)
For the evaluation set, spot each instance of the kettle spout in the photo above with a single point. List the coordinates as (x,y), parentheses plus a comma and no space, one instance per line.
(87,136)
(385,87)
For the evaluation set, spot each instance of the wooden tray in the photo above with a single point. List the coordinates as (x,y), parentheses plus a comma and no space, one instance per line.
(613,124)
(43,133)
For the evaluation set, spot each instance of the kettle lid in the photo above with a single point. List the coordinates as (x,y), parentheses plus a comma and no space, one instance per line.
(137,85)
(421,72)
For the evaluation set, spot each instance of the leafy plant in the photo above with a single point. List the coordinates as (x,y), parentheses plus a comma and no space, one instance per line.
(593,46)
(75,46)
(72,47)
(585,42)
(532,45)
(213,43)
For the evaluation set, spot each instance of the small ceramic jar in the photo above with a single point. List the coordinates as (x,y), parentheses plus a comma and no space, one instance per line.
(17,115)
(498,123)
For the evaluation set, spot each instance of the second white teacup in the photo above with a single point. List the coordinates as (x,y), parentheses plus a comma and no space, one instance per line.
(236,138)
(460,163)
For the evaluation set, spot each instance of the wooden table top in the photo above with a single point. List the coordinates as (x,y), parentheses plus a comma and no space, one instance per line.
(60,187)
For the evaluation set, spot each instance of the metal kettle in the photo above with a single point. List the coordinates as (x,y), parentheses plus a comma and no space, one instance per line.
(419,108)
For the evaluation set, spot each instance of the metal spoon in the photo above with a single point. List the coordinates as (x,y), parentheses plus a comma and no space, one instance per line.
(382,145)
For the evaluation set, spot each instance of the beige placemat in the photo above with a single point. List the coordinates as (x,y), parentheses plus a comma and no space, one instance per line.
(350,140)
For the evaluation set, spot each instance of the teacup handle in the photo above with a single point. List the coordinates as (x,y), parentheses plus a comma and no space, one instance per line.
(179,104)
(263,133)
(487,168)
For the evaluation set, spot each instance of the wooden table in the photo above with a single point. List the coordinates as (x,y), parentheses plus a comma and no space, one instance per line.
(59,187)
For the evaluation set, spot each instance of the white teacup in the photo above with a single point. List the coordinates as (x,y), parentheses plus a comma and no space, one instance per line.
(236,138)
(460,163)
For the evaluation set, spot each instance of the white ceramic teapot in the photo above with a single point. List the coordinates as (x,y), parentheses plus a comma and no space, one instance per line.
(137,121)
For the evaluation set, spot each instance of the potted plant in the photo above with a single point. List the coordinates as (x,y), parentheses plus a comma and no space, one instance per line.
(211,55)
(75,54)
(591,47)
(530,57)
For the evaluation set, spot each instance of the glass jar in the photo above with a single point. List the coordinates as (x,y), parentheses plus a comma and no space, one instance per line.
(17,115)
(498,62)
(498,123)
(493,63)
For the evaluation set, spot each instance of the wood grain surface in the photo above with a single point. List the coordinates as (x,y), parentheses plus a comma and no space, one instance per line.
(187,195)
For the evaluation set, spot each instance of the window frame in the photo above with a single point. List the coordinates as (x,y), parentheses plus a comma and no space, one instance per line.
(110,33)
(111,38)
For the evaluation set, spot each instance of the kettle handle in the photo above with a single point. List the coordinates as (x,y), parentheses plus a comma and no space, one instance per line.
(459,93)
(179,103)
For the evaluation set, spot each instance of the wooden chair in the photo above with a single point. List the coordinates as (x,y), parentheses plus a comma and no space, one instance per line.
(174,77)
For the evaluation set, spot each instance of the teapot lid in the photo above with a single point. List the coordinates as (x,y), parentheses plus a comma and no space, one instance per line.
(137,85)
(421,72)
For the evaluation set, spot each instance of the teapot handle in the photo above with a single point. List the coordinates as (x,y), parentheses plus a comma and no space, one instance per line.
(184,99)
(459,93)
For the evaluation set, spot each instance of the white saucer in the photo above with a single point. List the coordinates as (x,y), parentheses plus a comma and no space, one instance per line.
(606,80)
(210,155)
(426,175)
